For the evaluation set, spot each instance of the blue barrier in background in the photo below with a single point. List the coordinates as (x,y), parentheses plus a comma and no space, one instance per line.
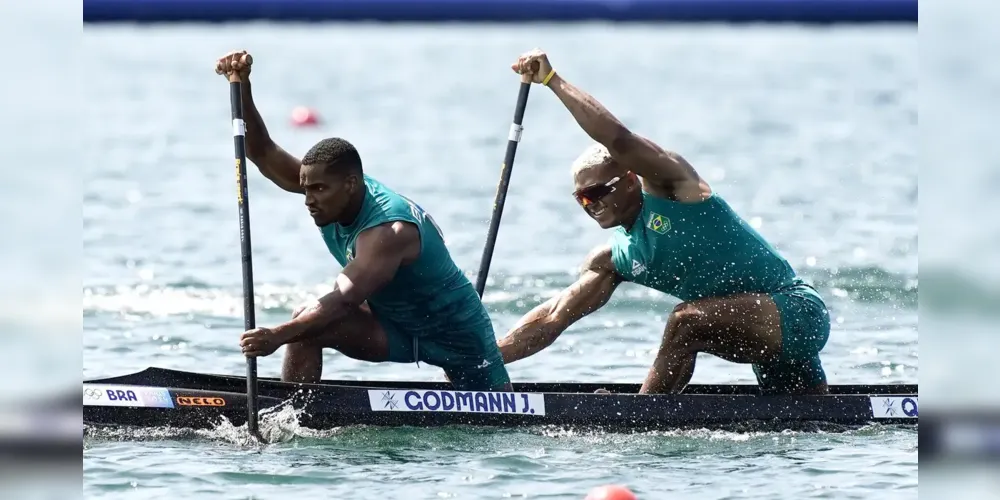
(733,11)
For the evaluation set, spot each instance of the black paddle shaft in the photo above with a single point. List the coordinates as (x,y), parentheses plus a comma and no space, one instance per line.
(239,146)
(501,196)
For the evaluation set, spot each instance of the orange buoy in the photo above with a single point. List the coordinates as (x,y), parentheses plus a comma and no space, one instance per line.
(303,117)
(611,492)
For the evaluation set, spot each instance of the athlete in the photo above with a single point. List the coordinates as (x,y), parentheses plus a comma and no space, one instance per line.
(741,300)
(399,298)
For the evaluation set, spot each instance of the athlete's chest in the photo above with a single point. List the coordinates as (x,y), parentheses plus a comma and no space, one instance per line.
(660,236)
(664,247)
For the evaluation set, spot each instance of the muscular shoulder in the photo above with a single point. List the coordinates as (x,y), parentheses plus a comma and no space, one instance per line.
(599,260)
(695,191)
(666,174)
(390,238)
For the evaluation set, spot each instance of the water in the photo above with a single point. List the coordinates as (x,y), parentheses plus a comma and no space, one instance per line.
(806,132)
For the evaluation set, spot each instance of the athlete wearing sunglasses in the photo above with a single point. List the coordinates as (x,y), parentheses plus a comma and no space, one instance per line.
(740,299)
(592,199)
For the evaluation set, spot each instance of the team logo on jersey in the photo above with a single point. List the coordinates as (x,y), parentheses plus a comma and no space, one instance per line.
(637,268)
(659,223)
(350,254)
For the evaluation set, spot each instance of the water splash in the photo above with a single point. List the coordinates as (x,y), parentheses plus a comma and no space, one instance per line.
(278,424)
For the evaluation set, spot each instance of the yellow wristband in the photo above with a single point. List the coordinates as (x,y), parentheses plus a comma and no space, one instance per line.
(549,77)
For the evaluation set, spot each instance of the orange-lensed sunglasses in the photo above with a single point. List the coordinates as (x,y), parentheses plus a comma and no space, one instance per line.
(593,194)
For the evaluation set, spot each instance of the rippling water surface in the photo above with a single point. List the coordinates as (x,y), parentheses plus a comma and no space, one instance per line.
(808,133)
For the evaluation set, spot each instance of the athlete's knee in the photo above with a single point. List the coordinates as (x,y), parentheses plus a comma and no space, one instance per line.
(683,325)
(687,315)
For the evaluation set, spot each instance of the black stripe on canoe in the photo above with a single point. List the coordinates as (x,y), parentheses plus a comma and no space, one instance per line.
(199,400)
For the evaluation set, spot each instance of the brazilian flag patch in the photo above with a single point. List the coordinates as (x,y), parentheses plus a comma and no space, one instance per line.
(659,223)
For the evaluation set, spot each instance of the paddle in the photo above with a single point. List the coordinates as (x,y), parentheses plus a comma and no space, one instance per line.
(508,163)
(239,145)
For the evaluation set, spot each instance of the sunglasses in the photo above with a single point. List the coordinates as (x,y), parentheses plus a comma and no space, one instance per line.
(593,194)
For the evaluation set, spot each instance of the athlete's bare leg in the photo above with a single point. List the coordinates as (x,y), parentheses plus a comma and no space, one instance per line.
(744,328)
(357,336)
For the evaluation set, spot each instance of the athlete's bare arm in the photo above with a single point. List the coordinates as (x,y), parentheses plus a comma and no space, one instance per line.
(273,162)
(379,252)
(539,328)
(666,173)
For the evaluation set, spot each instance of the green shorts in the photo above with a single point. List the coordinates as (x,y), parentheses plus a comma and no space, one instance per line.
(479,368)
(805,329)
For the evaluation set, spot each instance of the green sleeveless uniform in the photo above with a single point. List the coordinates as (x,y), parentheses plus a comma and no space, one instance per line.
(430,310)
(696,250)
